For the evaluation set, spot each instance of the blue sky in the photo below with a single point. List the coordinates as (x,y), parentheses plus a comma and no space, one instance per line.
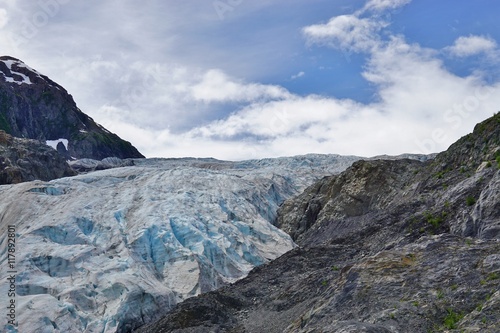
(238,79)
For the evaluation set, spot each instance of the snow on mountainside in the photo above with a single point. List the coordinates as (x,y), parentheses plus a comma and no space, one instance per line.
(111,250)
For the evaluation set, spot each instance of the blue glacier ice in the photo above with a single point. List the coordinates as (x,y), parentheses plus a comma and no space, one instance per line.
(109,250)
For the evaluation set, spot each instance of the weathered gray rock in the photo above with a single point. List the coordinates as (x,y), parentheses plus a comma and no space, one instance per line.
(25,160)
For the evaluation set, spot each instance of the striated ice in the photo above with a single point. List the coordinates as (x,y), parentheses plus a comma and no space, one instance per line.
(110,250)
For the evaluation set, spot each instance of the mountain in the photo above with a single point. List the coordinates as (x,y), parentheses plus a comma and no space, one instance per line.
(24,160)
(385,246)
(35,107)
(111,250)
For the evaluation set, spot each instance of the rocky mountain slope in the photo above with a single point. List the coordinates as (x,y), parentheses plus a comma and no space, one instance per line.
(109,251)
(35,107)
(24,160)
(386,246)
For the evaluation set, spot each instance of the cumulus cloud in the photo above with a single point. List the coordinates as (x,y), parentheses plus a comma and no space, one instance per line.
(347,32)
(472,45)
(421,106)
(382,5)
(216,86)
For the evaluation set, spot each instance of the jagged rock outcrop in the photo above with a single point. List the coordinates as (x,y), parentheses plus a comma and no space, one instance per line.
(35,107)
(386,246)
(24,160)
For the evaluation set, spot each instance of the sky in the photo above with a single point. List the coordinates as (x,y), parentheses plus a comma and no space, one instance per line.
(241,79)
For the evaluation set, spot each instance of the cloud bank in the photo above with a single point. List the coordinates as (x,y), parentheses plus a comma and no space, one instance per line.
(170,107)
(472,45)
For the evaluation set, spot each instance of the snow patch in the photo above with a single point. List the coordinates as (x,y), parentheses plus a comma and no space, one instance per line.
(54,143)
(104,129)
(24,78)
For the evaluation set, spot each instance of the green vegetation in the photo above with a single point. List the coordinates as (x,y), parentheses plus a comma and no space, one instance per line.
(490,277)
(470,201)
(452,319)
(440,294)
(493,276)
(441,174)
(334,268)
(488,164)
(435,221)
(4,124)
(498,161)
(47,97)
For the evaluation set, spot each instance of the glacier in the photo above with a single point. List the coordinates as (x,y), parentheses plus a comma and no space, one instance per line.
(110,250)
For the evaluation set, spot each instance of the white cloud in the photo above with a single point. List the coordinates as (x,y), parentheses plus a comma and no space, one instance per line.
(216,86)
(347,32)
(159,95)
(423,93)
(4,18)
(298,75)
(382,5)
(472,45)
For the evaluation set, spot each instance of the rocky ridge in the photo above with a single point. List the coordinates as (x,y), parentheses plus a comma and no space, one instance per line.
(35,107)
(24,160)
(386,246)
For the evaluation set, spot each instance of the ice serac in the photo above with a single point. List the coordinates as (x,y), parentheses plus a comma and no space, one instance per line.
(35,107)
(111,250)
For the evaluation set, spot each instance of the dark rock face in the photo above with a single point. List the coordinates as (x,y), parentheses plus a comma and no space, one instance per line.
(24,160)
(386,246)
(35,107)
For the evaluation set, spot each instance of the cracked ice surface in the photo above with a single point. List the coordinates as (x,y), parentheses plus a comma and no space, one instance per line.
(110,250)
